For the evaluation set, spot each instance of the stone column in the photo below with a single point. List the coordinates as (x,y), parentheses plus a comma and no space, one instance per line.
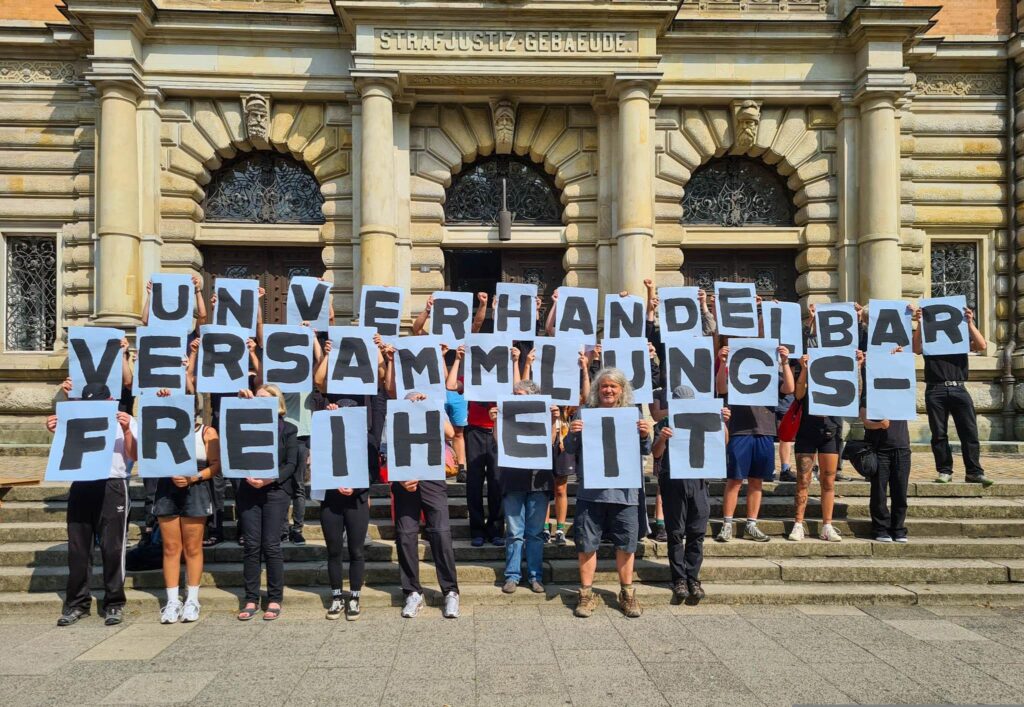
(606,156)
(878,242)
(847,158)
(118,287)
(378,222)
(634,227)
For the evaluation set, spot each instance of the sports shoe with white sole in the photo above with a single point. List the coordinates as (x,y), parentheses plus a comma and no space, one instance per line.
(797,533)
(752,532)
(451,605)
(725,534)
(830,534)
(883,538)
(413,602)
(191,612)
(171,613)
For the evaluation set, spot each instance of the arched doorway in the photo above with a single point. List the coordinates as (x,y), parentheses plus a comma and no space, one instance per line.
(736,192)
(263,188)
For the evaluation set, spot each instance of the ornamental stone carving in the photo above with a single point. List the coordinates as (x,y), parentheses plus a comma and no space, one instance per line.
(257,116)
(37,72)
(746,116)
(504,114)
(961,84)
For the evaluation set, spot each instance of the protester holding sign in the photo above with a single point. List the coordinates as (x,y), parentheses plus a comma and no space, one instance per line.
(608,512)
(99,509)
(819,436)
(687,509)
(182,504)
(181,312)
(750,454)
(262,505)
(430,499)
(946,394)
(525,497)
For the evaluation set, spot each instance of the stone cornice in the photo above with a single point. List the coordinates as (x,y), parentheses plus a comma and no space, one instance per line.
(888,23)
(134,15)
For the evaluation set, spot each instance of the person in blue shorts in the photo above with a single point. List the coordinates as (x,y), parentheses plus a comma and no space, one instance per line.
(750,454)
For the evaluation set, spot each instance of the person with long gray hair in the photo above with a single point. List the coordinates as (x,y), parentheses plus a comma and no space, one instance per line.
(608,513)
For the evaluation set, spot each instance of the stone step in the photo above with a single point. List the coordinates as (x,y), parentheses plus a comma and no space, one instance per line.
(56,491)
(34,434)
(490,601)
(715,569)
(23,449)
(43,554)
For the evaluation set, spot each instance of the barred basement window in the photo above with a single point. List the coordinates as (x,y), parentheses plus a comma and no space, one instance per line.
(737,191)
(475,194)
(264,187)
(955,271)
(31,293)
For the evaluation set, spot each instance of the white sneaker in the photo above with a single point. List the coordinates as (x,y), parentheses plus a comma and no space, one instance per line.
(901,541)
(191,612)
(830,534)
(451,605)
(171,613)
(413,602)
(797,534)
(944,478)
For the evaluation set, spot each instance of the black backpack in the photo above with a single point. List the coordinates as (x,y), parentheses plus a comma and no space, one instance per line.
(861,455)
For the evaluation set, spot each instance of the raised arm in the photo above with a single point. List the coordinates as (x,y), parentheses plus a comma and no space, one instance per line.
(419,325)
(722,375)
(481,311)
(978,342)
(200,303)
(549,325)
(787,371)
(320,372)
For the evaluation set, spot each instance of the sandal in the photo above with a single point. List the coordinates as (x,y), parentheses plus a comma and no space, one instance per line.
(213,541)
(271,613)
(248,611)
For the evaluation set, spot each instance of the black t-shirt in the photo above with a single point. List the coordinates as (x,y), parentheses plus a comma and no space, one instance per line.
(896,437)
(948,367)
(752,420)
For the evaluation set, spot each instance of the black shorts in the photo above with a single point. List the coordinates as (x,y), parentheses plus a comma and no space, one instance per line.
(193,501)
(595,520)
(565,464)
(818,440)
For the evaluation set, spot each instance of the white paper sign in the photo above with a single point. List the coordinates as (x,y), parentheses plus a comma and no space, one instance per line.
(783,322)
(697,447)
(889,324)
(736,309)
(944,326)
(451,317)
(222,365)
(753,372)
(632,357)
(487,367)
(891,385)
(238,302)
(836,325)
(690,360)
(679,311)
(556,368)
(624,317)
(353,361)
(309,300)
(166,444)
(515,314)
(338,449)
(171,301)
(94,356)
(611,448)
(576,313)
(248,438)
(288,357)
(83,443)
(832,378)
(419,367)
(524,432)
(416,448)
(380,308)
(159,365)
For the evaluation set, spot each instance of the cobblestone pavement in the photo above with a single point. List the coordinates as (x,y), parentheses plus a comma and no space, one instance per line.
(528,656)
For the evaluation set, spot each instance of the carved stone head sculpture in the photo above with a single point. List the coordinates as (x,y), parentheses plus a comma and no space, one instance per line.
(257,116)
(746,116)
(504,113)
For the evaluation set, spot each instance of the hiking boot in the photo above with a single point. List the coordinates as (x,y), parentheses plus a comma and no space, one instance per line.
(830,534)
(71,616)
(752,532)
(628,603)
(797,534)
(509,586)
(679,592)
(334,611)
(979,479)
(413,602)
(585,604)
(725,534)
(696,591)
(171,613)
(536,587)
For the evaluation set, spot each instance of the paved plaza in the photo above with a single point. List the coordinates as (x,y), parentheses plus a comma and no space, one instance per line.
(527,656)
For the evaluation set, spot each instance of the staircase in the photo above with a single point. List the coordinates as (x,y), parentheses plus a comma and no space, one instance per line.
(966,547)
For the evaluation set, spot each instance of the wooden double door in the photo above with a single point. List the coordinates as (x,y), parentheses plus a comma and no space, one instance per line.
(273,267)
(773,272)
(480,270)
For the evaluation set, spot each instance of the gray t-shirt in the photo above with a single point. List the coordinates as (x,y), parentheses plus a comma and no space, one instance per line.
(626,497)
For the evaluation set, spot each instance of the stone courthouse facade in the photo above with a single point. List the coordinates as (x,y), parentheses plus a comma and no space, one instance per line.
(827,150)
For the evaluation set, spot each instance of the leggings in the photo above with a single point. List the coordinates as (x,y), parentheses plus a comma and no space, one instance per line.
(345,518)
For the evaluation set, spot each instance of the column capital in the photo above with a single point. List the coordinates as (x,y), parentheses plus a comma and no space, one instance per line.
(377,83)
(634,85)
(122,75)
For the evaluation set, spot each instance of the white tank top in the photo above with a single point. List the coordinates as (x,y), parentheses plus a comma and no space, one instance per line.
(200,448)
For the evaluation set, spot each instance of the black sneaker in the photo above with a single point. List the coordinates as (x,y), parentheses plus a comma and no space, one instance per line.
(679,592)
(352,608)
(71,616)
(695,590)
(115,615)
(335,610)
(296,537)
(979,479)
(460,478)
(788,476)
(661,535)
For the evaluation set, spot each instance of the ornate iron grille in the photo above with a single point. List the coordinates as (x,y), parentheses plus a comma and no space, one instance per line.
(265,187)
(475,194)
(737,191)
(31,293)
(955,271)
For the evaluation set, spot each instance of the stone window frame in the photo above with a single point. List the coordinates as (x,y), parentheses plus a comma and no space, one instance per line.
(18,231)
(983,241)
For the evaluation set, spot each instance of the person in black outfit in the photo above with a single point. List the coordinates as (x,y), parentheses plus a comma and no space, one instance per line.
(946,394)
(99,509)
(262,505)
